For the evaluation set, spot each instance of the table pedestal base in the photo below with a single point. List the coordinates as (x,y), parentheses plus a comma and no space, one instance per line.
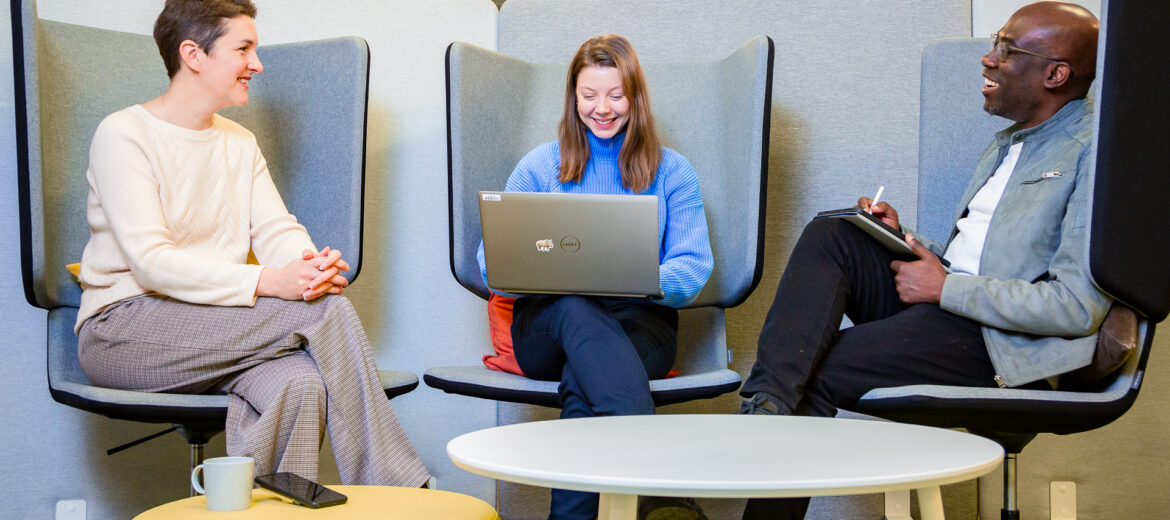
(929,504)
(612,506)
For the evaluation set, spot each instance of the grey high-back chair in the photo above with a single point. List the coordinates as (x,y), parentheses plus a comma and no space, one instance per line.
(1126,253)
(499,108)
(308,112)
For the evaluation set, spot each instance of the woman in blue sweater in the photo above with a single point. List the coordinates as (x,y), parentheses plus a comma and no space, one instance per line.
(604,351)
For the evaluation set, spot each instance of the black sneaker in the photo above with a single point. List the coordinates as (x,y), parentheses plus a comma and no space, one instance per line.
(669,508)
(760,404)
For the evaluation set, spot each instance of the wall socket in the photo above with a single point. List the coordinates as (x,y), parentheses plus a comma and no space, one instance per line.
(70,510)
(1063,499)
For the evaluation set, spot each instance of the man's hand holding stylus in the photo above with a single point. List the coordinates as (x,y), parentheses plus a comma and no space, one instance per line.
(881,210)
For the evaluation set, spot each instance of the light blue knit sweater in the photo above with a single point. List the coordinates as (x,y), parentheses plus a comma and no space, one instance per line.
(684,257)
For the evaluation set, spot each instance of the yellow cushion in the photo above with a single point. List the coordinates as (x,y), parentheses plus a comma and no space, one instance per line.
(365,502)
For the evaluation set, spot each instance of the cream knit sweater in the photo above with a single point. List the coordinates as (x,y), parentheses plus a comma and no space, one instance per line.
(174,211)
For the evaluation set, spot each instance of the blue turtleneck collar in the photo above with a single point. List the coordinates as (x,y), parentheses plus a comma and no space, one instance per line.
(600,148)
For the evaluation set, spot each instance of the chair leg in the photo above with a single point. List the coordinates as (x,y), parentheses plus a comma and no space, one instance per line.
(196,459)
(197,436)
(1013,444)
(1010,511)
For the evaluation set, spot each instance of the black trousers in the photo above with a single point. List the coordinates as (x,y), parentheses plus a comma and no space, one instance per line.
(812,367)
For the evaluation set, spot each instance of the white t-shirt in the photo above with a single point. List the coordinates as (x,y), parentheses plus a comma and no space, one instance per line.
(967,247)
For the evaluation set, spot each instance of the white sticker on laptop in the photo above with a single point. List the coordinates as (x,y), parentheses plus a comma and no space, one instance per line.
(544,245)
(491,197)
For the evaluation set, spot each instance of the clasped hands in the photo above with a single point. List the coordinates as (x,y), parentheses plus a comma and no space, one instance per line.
(917,281)
(306,278)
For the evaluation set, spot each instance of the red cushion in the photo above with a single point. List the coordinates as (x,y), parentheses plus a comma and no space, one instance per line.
(500,323)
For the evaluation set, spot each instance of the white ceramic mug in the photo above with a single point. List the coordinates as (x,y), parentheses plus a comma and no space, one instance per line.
(229,482)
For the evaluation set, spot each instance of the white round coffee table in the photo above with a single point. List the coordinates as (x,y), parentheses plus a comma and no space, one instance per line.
(731,456)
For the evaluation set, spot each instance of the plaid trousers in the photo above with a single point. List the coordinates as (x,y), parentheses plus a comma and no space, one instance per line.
(289,368)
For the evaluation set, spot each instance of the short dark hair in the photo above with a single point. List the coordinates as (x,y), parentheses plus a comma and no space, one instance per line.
(201,21)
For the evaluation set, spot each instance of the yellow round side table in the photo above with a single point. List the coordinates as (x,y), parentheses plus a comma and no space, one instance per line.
(365,502)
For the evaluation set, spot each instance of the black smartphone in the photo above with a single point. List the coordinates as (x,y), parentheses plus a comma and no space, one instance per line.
(301,490)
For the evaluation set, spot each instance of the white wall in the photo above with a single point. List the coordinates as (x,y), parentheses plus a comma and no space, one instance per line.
(987,16)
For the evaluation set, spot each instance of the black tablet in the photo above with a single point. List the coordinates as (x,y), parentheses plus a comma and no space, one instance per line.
(893,239)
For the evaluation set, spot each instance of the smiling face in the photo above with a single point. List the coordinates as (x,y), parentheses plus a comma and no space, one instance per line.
(1015,88)
(601,103)
(232,61)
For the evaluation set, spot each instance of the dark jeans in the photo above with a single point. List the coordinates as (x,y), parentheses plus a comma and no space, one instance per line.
(812,367)
(604,352)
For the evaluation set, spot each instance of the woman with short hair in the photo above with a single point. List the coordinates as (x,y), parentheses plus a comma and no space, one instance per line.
(178,198)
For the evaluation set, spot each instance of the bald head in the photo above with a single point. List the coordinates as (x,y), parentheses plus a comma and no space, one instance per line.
(1065,31)
(1043,58)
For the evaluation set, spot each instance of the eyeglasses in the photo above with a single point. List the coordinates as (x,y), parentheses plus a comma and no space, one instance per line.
(1003,50)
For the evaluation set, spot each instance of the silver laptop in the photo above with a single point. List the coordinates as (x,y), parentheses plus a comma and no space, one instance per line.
(557,243)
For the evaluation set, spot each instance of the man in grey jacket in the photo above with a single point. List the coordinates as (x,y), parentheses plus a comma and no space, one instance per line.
(1016,307)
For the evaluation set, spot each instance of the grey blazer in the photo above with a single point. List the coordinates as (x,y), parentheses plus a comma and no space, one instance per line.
(1039,308)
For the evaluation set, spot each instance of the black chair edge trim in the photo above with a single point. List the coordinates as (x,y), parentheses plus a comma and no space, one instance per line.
(682,395)
(396,391)
(548,399)
(1009,416)
(552,400)
(758,273)
(24,191)
(190,417)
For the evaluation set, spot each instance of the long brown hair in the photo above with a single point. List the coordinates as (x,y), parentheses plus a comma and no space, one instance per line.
(641,151)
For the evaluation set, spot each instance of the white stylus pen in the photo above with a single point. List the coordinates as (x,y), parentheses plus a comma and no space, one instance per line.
(875,199)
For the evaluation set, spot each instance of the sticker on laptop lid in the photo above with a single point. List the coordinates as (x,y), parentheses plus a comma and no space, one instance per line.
(544,245)
(491,197)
